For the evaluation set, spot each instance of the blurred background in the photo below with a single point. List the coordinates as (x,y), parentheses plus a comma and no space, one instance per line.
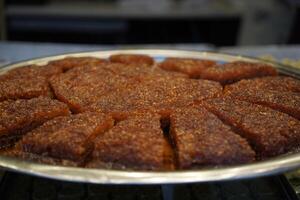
(215,22)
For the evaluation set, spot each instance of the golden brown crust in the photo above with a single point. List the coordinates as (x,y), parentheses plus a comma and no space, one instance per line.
(81,87)
(27,82)
(269,131)
(192,67)
(20,116)
(235,71)
(24,88)
(277,83)
(68,63)
(140,72)
(135,143)
(160,94)
(67,137)
(132,59)
(32,71)
(203,140)
(284,101)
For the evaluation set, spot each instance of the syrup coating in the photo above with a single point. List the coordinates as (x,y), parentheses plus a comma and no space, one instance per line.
(132,59)
(32,71)
(27,82)
(79,88)
(203,140)
(235,71)
(66,137)
(68,63)
(20,116)
(270,132)
(278,83)
(24,88)
(160,94)
(136,143)
(284,101)
(140,72)
(192,67)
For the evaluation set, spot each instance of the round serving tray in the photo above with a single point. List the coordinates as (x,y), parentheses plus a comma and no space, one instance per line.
(274,165)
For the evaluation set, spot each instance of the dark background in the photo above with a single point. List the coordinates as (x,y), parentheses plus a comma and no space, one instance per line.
(217,22)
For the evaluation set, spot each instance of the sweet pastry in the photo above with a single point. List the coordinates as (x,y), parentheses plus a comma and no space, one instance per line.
(202,139)
(24,88)
(137,142)
(68,63)
(66,137)
(160,94)
(132,59)
(284,101)
(20,116)
(235,71)
(269,132)
(80,88)
(32,71)
(129,112)
(192,67)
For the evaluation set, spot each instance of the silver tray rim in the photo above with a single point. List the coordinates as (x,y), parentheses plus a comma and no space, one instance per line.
(279,164)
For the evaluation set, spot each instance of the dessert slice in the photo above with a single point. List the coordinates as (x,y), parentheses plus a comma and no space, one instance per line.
(24,88)
(140,72)
(32,71)
(27,82)
(135,143)
(235,71)
(68,63)
(132,59)
(201,139)
(20,116)
(192,67)
(270,132)
(80,87)
(278,83)
(67,138)
(160,94)
(284,101)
